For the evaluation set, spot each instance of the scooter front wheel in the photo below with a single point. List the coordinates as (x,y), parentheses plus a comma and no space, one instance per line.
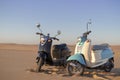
(74,67)
(39,65)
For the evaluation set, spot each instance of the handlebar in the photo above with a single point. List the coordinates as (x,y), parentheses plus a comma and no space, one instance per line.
(87,33)
(55,38)
(39,33)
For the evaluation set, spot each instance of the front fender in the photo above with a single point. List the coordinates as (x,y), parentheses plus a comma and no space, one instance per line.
(77,57)
(42,55)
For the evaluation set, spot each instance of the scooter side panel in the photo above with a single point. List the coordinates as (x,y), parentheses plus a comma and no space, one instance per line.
(77,57)
(107,53)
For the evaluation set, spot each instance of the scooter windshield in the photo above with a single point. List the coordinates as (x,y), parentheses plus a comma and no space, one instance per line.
(80,44)
(82,40)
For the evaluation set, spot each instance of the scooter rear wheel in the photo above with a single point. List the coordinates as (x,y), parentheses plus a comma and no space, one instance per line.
(108,66)
(74,67)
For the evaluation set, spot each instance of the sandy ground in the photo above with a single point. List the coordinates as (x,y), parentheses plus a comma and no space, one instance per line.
(17,62)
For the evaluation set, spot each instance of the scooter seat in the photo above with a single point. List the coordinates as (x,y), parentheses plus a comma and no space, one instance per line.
(100,47)
(60,46)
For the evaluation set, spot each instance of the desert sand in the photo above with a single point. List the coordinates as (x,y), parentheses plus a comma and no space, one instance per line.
(17,62)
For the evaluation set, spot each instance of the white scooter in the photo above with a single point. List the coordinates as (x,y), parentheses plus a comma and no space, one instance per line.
(91,57)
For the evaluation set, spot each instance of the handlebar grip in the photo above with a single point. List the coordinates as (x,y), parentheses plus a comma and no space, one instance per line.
(55,38)
(88,32)
(39,33)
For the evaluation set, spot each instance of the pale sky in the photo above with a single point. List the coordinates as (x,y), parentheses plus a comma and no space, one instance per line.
(18,20)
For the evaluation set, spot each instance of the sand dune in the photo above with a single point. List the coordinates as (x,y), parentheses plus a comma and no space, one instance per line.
(17,62)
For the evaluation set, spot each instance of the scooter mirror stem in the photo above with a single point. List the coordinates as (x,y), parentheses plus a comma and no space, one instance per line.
(38,26)
(58,33)
(88,24)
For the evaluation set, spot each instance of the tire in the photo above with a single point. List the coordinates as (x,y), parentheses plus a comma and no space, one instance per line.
(39,65)
(74,67)
(65,62)
(108,66)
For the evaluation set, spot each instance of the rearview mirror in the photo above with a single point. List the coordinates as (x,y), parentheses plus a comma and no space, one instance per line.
(38,25)
(58,32)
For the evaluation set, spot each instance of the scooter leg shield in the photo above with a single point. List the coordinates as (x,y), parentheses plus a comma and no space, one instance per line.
(77,57)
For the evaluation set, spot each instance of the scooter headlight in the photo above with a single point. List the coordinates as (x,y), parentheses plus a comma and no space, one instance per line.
(42,40)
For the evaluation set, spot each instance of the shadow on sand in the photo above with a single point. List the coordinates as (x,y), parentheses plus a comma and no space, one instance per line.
(96,74)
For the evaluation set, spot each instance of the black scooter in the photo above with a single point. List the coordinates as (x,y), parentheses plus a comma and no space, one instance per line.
(55,56)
